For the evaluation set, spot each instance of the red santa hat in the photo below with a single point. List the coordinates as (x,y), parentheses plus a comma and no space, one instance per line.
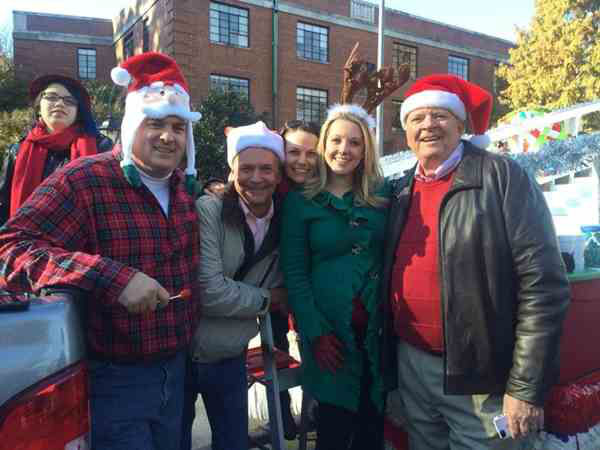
(463,99)
(156,88)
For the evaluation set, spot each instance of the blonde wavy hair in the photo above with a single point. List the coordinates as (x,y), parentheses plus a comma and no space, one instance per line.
(367,176)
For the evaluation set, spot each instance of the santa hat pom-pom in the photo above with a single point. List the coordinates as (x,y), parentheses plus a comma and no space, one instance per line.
(120,76)
(480,140)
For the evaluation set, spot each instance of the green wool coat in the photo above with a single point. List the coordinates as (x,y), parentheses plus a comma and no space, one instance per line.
(330,250)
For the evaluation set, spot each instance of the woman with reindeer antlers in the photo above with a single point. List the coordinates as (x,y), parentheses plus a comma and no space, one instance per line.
(331,246)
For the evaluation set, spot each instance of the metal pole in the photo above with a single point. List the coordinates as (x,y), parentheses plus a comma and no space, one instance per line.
(275,66)
(380,37)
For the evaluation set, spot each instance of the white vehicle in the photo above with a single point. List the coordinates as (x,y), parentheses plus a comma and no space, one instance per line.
(43,379)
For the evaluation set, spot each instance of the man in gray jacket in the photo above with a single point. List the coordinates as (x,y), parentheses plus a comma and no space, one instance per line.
(240,280)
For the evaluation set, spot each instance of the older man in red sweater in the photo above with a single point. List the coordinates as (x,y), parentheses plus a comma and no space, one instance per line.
(476,287)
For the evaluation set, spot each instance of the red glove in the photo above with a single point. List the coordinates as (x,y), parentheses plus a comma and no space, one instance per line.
(360,320)
(327,350)
(360,316)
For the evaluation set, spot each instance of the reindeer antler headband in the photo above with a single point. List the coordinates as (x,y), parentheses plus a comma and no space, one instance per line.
(379,85)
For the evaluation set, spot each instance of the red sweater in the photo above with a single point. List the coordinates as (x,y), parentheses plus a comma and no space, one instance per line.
(415,292)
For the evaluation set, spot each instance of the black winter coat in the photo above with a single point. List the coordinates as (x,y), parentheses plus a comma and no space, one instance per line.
(55,160)
(504,290)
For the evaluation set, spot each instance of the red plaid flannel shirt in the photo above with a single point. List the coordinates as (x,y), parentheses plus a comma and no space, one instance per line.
(87,227)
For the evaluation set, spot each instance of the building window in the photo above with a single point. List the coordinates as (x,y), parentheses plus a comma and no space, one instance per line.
(311,105)
(458,66)
(312,42)
(128,46)
(362,11)
(146,36)
(86,61)
(405,54)
(230,84)
(228,25)
(396,120)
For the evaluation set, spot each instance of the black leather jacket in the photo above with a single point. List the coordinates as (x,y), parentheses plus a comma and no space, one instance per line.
(54,161)
(504,290)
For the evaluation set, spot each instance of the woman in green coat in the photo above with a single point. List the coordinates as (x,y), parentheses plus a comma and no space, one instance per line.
(331,247)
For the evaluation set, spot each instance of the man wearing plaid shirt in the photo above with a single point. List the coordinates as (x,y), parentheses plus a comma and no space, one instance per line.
(121,227)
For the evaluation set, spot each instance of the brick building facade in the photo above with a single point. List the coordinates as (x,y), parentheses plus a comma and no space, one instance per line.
(79,47)
(287,55)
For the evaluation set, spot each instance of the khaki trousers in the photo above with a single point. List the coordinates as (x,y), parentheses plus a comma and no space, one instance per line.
(435,421)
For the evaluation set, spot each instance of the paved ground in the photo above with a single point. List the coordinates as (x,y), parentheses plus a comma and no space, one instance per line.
(257,408)
(201,432)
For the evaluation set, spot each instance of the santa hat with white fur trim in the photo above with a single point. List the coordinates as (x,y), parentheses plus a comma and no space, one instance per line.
(156,89)
(460,97)
(254,135)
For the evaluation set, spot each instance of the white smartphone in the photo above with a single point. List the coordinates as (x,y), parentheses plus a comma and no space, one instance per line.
(501,425)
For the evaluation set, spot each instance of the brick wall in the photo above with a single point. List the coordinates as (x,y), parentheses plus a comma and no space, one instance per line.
(406,23)
(159,16)
(35,58)
(45,44)
(63,24)
(200,58)
(181,29)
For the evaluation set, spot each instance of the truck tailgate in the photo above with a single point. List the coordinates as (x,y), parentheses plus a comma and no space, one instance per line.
(38,342)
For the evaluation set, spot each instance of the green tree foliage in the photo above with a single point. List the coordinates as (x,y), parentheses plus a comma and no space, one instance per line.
(499,109)
(556,63)
(219,110)
(107,100)
(12,126)
(13,91)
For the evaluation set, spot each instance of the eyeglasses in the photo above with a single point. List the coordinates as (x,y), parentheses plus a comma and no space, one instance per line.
(55,98)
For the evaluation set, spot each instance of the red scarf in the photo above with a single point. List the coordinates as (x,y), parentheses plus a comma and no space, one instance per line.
(32,154)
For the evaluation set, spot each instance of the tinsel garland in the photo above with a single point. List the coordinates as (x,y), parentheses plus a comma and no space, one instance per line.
(561,157)
(575,407)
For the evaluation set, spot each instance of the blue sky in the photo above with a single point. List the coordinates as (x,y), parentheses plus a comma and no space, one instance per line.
(493,18)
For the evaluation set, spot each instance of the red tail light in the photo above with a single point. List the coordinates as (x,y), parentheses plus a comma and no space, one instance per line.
(52,415)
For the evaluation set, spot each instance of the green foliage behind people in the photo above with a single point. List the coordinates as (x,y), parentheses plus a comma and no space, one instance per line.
(219,110)
(107,101)
(556,63)
(12,126)
(13,91)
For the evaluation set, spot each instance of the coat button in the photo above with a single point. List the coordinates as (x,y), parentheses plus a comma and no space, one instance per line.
(356,249)
(354,223)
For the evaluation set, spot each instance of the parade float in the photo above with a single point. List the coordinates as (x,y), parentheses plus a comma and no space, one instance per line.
(566,164)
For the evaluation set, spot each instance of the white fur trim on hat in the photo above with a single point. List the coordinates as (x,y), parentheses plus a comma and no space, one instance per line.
(255,135)
(433,99)
(120,76)
(352,109)
(480,140)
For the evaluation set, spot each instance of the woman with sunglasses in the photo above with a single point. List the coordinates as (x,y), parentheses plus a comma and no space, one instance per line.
(63,129)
